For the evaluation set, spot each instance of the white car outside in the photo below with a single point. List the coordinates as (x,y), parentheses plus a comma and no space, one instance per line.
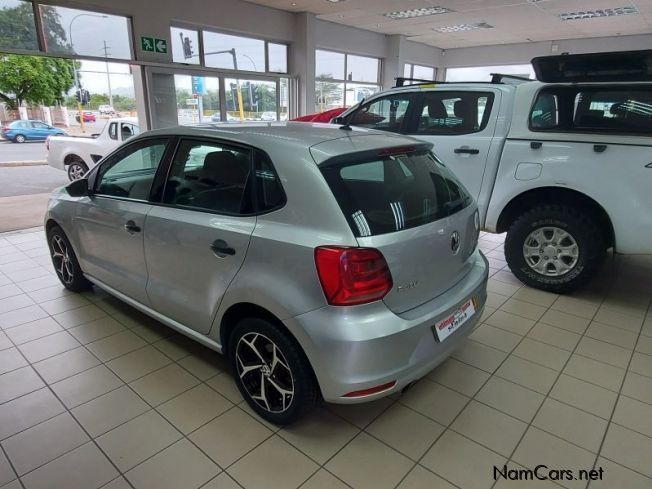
(78,154)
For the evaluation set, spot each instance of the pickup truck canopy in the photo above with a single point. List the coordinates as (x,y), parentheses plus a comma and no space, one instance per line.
(619,66)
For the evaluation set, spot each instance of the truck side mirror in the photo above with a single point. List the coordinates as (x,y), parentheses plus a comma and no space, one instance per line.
(78,188)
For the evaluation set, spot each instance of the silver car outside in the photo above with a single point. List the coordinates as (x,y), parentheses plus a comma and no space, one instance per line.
(161,259)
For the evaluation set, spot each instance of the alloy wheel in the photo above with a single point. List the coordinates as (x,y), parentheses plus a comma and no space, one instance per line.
(264,372)
(551,251)
(76,171)
(61,259)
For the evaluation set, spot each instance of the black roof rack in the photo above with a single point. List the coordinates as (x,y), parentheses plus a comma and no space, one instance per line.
(496,78)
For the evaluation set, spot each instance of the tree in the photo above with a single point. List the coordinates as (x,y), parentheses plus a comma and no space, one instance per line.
(19,29)
(328,94)
(34,79)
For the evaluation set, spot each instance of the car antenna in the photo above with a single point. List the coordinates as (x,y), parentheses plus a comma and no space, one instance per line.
(347,125)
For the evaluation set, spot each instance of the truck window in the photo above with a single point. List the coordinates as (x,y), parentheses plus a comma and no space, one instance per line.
(113,130)
(454,113)
(616,110)
(385,113)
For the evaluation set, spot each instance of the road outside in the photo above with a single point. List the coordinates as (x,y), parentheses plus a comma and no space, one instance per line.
(29,180)
(13,152)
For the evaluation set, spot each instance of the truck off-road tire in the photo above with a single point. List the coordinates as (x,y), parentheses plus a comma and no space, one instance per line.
(556,248)
(19,138)
(271,371)
(65,261)
(76,170)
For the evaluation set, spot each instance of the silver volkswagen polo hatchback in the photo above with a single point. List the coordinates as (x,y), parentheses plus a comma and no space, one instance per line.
(325,263)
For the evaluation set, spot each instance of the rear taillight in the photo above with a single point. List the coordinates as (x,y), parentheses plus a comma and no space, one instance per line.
(5,129)
(351,276)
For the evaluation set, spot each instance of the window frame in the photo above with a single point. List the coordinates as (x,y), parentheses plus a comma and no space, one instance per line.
(413,65)
(486,116)
(345,81)
(202,56)
(562,92)
(93,179)
(252,168)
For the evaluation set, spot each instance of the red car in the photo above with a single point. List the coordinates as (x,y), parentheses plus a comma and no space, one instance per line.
(325,116)
(88,117)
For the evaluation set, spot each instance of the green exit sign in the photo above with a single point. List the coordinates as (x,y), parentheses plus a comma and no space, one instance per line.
(154,45)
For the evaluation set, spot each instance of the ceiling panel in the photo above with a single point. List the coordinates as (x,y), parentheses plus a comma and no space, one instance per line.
(513,21)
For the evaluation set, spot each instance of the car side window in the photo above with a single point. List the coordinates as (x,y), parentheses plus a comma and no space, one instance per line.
(113,130)
(269,192)
(385,113)
(446,112)
(39,125)
(545,113)
(126,131)
(210,176)
(129,173)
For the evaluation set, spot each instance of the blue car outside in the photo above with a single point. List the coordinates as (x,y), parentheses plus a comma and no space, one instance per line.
(21,131)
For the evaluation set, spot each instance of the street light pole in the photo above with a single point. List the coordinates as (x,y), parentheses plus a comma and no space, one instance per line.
(74,66)
(108,76)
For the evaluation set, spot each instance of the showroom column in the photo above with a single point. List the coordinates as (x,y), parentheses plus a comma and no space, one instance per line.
(393,63)
(303,60)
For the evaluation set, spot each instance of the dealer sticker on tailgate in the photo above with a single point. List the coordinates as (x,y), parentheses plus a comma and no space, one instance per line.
(446,326)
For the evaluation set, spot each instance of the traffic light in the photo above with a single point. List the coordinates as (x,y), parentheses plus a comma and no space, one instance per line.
(82,96)
(187,46)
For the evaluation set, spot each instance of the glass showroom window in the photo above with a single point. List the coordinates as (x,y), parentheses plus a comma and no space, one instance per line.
(342,80)
(233,52)
(20,31)
(185,45)
(85,33)
(483,73)
(419,72)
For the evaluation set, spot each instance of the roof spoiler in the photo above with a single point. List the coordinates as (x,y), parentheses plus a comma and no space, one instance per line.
(618,66)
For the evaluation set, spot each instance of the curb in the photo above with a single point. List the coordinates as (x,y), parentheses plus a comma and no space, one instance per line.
(8,164)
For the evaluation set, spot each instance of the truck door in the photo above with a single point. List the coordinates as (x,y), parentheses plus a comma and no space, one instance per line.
(461,126)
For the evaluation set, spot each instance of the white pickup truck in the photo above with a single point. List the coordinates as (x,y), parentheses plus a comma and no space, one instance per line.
(563,164)
(77,154)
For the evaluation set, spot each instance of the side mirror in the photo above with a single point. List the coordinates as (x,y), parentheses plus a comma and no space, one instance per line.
(78,188)
(338,120)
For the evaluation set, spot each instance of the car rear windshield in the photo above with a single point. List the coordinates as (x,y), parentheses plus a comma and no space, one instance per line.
(393,192)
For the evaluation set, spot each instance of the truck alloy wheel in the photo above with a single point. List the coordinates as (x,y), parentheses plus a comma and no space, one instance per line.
(557,248)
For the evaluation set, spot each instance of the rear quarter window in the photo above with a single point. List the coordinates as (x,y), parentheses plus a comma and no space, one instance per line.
(395,192)
(614,109)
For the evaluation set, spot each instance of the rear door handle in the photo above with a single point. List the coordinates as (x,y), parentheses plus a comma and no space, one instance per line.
(222,249)
(468,151)
(599,148)
(131,227)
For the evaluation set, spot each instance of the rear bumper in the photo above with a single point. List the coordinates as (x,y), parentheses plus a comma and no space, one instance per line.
(360,347)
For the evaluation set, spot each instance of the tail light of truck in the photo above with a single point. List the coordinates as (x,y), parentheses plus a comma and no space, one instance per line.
(351,276)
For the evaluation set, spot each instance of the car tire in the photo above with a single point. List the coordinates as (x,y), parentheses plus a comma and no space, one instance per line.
(76,170)
(65,261)
(19,138)
(290,388)
(567,241)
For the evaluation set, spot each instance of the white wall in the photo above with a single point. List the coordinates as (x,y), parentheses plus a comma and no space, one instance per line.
(523,53)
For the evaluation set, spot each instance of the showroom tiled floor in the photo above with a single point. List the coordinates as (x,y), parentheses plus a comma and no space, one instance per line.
(94,394)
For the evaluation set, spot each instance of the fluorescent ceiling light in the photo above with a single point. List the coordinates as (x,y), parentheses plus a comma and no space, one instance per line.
(335,1)
(603,12)
(463,27)
(417,12)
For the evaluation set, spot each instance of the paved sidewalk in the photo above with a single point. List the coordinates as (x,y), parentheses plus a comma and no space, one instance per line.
(22,211)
